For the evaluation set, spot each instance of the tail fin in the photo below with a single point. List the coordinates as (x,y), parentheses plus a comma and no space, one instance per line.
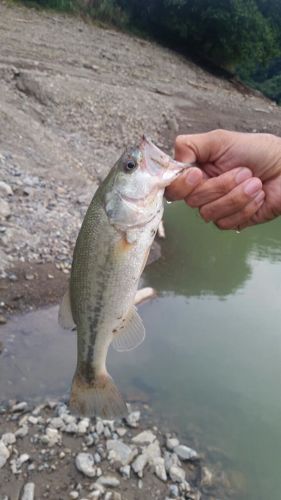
(99,398)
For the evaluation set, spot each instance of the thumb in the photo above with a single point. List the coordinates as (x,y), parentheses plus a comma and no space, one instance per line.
(200,148)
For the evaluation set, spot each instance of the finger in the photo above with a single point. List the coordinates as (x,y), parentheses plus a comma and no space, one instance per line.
(233,202)
(217,187)
(184,184)
(244,217)
(201,148)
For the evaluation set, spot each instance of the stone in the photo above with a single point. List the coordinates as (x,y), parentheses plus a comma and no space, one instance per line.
(171,459)
(116,495)
(125,471)
(28,492)
(5,210)
(8,438)
(120,452)
(171,443)
(177,474)
(4,454)
(19,407)
(85,463)
(3,320)
(71,428)
(132,419)
(173,490)
(108,481)
(22,431)
(83,426)
(33,420)
(152,451)
(186,453)
(5,189)
(57,423)
(145,437)
(207,477)
(74,494)
(159,468)
(139,464)
(108,495)
(99,427)
(51,437)
(121,431)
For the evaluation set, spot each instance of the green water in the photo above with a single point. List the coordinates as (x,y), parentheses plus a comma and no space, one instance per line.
(213,350)
(211,362)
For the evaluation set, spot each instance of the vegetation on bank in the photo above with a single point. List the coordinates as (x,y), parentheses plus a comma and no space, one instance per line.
(243,36)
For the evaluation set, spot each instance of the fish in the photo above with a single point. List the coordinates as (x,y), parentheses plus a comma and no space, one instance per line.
(109,256)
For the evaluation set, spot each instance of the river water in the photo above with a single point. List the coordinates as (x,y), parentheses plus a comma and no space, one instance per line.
(211,362)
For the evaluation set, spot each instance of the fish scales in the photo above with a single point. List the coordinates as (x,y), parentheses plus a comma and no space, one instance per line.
(109,256)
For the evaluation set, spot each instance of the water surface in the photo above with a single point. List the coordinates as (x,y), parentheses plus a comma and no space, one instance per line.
(211,362)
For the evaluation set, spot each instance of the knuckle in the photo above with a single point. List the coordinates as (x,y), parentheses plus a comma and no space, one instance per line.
(180,141)
(206,213)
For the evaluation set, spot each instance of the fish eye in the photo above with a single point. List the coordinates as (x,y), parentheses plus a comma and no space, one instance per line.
(130,166)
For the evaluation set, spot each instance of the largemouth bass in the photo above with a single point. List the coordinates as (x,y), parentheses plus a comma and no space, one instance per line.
(109,256)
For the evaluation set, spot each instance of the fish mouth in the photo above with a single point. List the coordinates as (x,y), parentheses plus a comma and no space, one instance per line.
(159,164)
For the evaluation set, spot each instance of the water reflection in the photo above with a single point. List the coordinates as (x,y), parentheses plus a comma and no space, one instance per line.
(201,259)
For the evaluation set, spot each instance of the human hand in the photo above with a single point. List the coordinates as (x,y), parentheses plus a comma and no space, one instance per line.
(240,179)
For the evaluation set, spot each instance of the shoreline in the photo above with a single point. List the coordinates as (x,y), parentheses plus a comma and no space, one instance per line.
(45,452)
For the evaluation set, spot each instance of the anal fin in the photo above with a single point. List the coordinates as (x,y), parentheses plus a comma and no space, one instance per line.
(131,334)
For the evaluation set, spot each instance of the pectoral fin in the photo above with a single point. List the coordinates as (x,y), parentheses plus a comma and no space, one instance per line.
(131,334)
(65,315)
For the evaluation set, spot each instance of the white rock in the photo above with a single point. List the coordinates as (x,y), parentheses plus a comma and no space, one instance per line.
(19,407)
(171,443)
(97,458)
(71,428)
(125,471)
(177,474)
(4,454)
(120,452)
(174,490)
(28,491)
(171,459)
(116,496)
(5,210)
(83,426)
(51,437)
(33,420)
(74,494)
(139,464)
(121,431)
(108,495)
(5,189)
(22,431)
(110,481)
(186,453)
(133,419)
(145,437)
(159,468)
(8,438)
(97,487)
(85,464)
(68,419)
(57,423)
(99,427)
(94,494)
(152,451)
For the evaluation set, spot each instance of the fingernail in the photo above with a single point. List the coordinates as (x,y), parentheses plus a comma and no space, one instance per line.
(252,187)
(243,175)
(193,176)
(260,197)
